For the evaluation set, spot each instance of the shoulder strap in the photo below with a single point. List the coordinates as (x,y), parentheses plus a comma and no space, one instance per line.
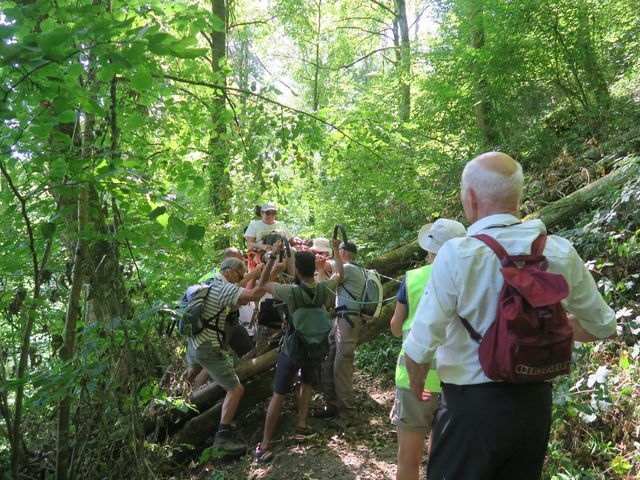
(364,290)
(494,245)
(317,299)
(537,247)
(473,333)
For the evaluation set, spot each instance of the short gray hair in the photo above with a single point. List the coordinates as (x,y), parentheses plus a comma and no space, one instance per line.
(234,264)
(490,185)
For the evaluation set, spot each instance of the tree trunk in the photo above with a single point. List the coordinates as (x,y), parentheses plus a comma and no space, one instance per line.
(482,105)
(584,199)
(63,456)
(316,65)
(220,182)
(404,68)
(197,430)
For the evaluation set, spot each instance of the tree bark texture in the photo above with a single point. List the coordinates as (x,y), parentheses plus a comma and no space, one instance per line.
(482,98)
(404,68)
(220,184)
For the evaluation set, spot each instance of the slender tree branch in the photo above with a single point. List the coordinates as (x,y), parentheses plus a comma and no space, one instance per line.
(251,22)
(384,7)
(240,91)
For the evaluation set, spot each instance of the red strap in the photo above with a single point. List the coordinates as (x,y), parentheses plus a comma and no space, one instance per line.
(537,247)
(493,244)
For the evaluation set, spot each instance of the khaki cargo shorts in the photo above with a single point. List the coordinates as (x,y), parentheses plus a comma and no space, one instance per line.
(411,414)
(218,365)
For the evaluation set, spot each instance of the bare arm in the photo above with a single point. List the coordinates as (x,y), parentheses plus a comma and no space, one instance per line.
(580,334)
(417,375)
(252,275)
(399,316)
(264,284)
(339,266)
(254,294)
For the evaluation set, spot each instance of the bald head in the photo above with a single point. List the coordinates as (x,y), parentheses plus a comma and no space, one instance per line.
(491,183)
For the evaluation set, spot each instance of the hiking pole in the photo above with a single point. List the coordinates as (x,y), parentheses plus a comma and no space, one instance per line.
(286,249)
(343,232)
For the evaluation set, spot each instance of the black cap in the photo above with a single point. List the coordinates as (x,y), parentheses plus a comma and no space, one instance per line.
(349,247)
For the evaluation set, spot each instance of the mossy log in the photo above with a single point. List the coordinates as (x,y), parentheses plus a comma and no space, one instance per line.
(582,200)
(202,428)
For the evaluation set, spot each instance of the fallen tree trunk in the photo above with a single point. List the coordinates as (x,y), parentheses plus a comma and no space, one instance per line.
(584,199)
(209,393)
(201,428)
(401,259)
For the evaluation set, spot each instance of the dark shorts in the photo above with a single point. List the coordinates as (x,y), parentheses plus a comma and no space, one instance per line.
(286,374)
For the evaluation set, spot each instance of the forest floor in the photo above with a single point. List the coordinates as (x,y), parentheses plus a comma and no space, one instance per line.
(364,450)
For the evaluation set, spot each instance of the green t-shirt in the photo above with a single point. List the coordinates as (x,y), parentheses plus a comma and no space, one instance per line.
(284,293)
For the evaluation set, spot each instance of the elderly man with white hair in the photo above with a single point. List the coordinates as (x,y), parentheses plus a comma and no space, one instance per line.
(485,429)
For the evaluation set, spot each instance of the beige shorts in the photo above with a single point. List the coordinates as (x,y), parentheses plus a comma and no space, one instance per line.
(218,365)
(411,414)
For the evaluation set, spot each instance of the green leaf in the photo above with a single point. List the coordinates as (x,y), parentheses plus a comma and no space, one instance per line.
(156,212)
(198,182)
(47,229)
(189,52)
(68,116)
(177,225)
(53,39)
(624,362)
(195,232)
(141,80)
(163,220)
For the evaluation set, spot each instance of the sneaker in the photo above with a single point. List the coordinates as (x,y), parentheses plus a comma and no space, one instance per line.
(263,455)
(228,447)
(325,413)
(303,434)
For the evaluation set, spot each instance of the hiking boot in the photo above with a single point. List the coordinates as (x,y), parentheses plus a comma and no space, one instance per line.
(325,413)
(304,434)
(228,447)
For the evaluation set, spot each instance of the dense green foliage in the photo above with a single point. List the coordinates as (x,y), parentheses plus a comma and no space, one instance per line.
(133,151)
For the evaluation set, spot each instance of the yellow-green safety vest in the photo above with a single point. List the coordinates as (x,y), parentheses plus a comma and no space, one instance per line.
(416,282)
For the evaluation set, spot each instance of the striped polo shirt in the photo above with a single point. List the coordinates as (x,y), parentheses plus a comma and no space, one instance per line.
(221,296)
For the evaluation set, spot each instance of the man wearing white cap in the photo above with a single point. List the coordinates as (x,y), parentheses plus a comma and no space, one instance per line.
(259,229)
(414,418)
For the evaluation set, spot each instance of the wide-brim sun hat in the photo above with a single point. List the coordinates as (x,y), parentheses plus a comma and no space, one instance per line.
(321,244)
(433,235)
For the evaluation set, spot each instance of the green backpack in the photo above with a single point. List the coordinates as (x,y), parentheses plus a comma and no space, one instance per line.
(307,341)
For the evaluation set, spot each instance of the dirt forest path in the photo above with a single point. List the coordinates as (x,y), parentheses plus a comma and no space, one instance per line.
(366,450)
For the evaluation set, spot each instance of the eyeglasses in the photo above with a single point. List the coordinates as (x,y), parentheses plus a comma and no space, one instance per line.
(270,212)
(240,275)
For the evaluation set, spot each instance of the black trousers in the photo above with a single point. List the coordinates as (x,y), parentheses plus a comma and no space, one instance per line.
(491,431)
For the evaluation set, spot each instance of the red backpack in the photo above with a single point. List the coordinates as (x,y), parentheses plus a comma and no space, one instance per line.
(531,338)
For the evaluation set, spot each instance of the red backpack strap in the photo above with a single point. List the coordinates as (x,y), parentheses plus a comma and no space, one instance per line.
(493,244)
(473,333)
(537,247)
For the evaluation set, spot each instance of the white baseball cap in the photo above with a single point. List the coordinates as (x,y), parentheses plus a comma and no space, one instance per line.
(433,235)
(268,207)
